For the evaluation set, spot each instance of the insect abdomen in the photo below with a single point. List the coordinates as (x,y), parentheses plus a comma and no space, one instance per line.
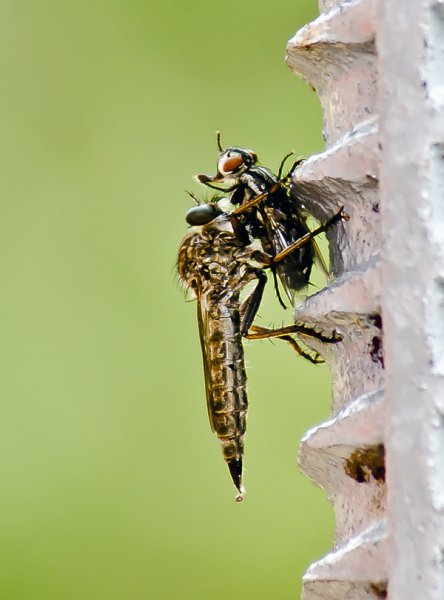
(228,404)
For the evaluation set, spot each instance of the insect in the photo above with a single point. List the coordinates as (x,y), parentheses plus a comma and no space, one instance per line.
(267,212)
(217,263)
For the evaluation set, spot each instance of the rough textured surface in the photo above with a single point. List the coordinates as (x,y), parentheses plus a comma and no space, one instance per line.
(412,194)
(345,455)
(335,55)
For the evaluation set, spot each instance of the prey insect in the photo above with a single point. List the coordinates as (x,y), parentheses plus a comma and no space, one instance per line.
(217,263)
(266,211)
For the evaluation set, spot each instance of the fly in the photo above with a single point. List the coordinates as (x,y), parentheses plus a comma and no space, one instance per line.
(268,213)
(216,262)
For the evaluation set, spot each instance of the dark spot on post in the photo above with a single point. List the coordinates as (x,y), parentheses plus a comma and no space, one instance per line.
(375,207)
(364,464)
(379,589)
(376,320)
(376,351)
(375,346)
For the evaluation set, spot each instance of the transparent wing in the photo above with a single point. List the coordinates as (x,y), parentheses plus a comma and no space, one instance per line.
(202,322)
(320,261)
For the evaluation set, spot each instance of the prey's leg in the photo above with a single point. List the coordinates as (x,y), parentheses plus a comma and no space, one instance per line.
(305,239)
(260,197)
(207,180)
(295,165)
(276,286)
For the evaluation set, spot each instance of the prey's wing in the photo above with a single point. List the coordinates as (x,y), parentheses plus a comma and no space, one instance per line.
(319,259)
(284,228)
(202,322)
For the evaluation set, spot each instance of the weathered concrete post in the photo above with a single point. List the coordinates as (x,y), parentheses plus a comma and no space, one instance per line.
(336,54)
(378,69)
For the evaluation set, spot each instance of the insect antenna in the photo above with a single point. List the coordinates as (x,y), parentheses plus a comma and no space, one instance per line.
(194,197)
(219,145)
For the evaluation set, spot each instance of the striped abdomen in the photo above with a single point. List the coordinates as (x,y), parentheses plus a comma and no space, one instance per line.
(227,397)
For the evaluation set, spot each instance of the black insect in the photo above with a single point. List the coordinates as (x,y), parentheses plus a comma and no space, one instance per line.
(265,211)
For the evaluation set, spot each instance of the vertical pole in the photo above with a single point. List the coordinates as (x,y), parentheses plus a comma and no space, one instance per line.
(378,68)
(345,455)
(411,59)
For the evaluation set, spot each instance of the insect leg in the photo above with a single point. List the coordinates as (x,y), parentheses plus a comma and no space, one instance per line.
(276,286)
(261,333)
(251,305)
(249,310)
(258,199)
(305,239)
(239,230)
(316,359)
(281,166)
(207,180)
(294,166)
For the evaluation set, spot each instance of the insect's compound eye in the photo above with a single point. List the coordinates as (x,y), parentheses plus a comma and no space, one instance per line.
(202,214)
(230,163)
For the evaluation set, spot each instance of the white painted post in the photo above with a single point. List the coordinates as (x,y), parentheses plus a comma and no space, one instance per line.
(345,455)
(378,68)
(411,65)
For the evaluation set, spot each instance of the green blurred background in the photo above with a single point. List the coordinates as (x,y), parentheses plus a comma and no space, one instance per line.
(112,485)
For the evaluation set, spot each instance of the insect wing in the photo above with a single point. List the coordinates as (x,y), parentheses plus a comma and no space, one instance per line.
(285,226)
(319,259)
(202,323)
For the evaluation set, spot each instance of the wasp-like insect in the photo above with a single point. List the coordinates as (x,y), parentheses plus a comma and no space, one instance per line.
(217,262)
(266,212)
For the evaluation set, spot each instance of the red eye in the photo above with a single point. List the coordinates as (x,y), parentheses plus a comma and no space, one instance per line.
(232,164)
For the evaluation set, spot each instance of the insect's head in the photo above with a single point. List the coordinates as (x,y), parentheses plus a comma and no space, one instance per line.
(202,213)
(231,164)
(235,161)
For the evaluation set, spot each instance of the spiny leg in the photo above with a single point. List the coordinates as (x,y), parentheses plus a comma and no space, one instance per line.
(316,359)
(341,215)
(305,239)
(258,199)
(261,333)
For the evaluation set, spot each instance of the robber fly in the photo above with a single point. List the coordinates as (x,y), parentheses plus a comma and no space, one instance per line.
(216,262)
(267,212)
